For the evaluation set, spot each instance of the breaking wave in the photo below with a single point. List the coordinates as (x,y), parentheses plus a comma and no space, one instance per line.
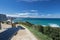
(54,25)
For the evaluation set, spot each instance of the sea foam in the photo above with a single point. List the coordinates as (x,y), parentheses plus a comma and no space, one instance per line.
(54,25)
(44,25)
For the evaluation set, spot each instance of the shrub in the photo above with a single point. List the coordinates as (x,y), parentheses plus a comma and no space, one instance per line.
(52,32)
(2,22)
(28,24)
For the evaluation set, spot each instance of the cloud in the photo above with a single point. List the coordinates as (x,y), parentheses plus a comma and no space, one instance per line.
(51,15)
(34,14)
(12,15)
(34,10)
(30,11)
(26,14)
(32,0)
(46,15)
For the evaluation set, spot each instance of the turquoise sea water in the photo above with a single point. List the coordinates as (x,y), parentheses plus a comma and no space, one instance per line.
(41,21)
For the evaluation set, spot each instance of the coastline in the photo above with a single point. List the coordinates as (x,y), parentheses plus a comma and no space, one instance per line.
(25,34)
(53,22)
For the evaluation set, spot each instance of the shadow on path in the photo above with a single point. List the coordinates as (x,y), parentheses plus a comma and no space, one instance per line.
(6,35)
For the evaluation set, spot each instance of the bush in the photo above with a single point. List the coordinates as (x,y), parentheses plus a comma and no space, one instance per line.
(38,28)
(28,24)
(47,30)
(52,32)
(2,22)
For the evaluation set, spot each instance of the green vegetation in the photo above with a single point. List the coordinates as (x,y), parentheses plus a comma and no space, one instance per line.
(37,30)
(39,35)
(52,32)
(43,33)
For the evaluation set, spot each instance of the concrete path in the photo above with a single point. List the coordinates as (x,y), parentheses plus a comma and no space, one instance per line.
(24,34)
(4,27)
(7,31)
(6,35)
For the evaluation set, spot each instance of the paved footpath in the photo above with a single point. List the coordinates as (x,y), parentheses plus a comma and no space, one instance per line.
(24,34)
(6,35)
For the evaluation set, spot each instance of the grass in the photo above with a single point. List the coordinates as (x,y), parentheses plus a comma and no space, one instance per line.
(38,35)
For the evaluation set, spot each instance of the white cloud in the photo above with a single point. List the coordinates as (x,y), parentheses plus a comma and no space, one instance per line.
(12,15)
(34,14)
(45,15)
(32,0)
(21,14)
(33,10)
(26,14)
(55,15)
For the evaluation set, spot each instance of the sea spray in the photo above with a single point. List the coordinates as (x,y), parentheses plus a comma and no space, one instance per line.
(54,25)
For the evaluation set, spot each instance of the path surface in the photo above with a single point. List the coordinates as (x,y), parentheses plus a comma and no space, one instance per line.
(6,35)
(7,31)
(4,27)
(24,34)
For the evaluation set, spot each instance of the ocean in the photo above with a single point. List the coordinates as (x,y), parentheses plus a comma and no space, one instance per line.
(53,22)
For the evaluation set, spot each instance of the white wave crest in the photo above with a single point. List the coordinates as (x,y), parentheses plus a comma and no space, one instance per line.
(43,25)
(53,25)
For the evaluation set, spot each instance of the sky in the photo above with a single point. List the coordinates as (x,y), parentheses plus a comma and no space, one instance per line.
(31,8)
